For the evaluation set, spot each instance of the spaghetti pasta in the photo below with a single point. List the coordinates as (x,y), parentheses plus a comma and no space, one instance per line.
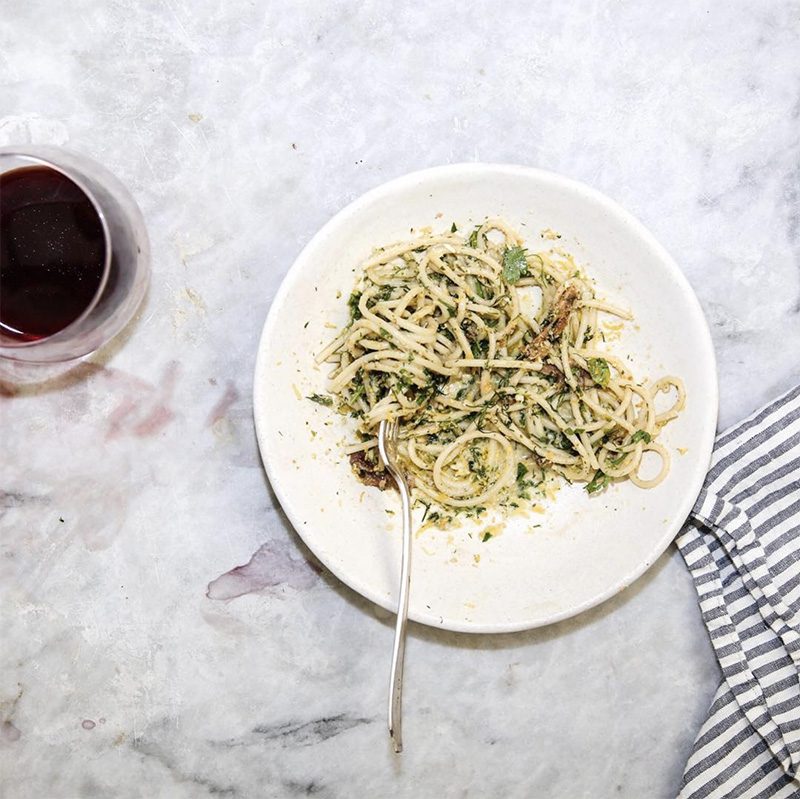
(490,356)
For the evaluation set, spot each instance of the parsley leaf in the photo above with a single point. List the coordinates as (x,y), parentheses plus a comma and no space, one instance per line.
(352,303)
(486,537)
(356,393)
(453,228)
(514,264)
(321,399)
(641,435)
(480,290)
(522,470)
(598,369)
(473,237)
(598,482)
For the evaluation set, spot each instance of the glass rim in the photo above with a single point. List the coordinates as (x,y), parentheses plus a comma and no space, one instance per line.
(5,341)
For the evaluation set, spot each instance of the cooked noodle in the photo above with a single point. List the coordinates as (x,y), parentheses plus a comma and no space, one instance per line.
(491,359)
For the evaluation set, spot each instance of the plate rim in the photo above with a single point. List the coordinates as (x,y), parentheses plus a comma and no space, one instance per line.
(711,405)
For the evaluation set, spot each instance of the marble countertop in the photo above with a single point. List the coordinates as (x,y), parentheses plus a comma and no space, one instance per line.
(130,666)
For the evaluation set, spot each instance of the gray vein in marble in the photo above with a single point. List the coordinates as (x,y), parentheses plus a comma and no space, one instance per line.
(9,732)
(151,750)
(290,734)
(311,788)
(308,733)
(16,499)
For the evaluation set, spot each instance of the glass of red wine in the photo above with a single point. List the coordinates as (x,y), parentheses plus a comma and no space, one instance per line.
(74,255)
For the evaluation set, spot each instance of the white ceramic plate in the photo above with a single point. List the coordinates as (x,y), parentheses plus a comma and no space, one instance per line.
(580,550)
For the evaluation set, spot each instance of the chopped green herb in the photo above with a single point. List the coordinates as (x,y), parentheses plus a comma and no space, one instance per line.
(427,508)
(641,435)
(616,461)
(424,395)
(598,482)
(514,264)
(357,392)
(478,510)
(558,440)
(557,399)
(404,380)
(305,325)
(473,237)
(598,369)
(485,537)
(321,399)
(453,228)
(480,290)
(476,463)
(574,431)
(385,333)
(522,484)
(352,303)
(477,350)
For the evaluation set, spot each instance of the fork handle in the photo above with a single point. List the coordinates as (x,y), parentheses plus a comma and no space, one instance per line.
(398,653)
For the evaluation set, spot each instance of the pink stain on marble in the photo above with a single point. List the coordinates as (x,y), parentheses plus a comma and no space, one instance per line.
(223,404)
(122,379)
(274,564)
(146,410)
(157,419)
(70,387)
(118,416)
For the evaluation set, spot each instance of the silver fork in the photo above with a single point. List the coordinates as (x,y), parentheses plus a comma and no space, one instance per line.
(387,447)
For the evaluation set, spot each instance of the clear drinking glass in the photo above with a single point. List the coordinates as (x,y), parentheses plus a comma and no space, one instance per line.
(126,266)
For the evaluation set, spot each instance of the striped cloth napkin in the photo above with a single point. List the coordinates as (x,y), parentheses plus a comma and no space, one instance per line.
(742,547)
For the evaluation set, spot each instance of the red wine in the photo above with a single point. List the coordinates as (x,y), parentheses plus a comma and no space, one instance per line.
(52,252)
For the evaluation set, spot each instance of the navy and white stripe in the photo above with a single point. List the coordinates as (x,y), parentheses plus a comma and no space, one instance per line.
(742,547)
